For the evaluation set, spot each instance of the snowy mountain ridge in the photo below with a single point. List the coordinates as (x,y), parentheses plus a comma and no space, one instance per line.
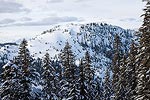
(97,38)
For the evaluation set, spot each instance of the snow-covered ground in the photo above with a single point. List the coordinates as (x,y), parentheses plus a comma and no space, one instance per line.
(97,38)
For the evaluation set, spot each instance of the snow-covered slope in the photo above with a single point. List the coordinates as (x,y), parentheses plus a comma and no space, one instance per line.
(97,38)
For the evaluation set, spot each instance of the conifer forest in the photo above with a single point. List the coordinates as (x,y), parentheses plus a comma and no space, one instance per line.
(96,63)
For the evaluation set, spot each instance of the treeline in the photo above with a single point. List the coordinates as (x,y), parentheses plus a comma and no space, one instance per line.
(23,79)
(131,71)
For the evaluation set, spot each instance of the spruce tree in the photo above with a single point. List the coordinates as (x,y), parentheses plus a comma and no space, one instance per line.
(48,78)
(107,86)
(10,87)
(67,59)
(143,68)
(99,89)
(122,83)
(82,85)
(37,65)
(116,66)
(68,62)
(57,77)
(24,63)
(21,82)
(88,74)
(131,72)
(28,73)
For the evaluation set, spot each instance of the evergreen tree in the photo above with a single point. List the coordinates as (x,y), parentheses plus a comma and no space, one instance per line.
(10,87)
(131,72)
(57,78)
(107,86)
(69,74)
(23,59)
(88,75)
(89,89)
(37,65)
(82,85)
(143,68)
(28,73)
(99,89)
(48,78)
(116,66)
(122,83)
(68,62)
(24,63)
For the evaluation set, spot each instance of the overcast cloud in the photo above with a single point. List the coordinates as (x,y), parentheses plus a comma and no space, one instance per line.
(48,21)
(124,13)
(7,21)
(11,7)
(30,22)
(55,1)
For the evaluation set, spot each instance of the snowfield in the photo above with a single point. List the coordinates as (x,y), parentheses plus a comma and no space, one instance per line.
(97,38)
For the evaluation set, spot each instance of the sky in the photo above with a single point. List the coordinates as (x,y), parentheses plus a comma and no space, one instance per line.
(29,17)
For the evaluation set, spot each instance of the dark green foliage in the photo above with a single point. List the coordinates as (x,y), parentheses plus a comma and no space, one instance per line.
(19,76)
(131,72)
(107,86)
(116,66)
(69,74)
(83,91)
(122,83)
(48,79)
(68,62)
(143,67)
(10,87)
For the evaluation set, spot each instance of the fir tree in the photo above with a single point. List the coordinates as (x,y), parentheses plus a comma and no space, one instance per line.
(122,83)
(116,66)
(37,64)
(107,86)
(88,74)
(57,78)
(28,73)
(82,85)
(48,78)
(69,74)
(99,89)
(10,87)
(68,62)
(143,70)
(24,63)
(131,72)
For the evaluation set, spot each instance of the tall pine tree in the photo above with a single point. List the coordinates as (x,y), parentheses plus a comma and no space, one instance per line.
(107,86)
(48,79)
(122,83)
(116,66)
(88,75)
(131,72)
(83,92)
(143,70)
(10,87)
(69,74)
(29,74)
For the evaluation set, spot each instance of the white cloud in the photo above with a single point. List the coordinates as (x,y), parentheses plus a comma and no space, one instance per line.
(125,13)
(25,21)
(6,21)
(82,0)
(55,1)
(49,21)
(11,7)
(128,19)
